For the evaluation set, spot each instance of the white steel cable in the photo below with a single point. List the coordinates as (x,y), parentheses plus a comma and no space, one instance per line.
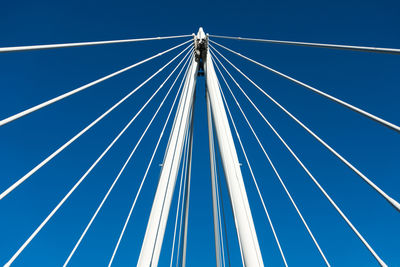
(219,199)
(268,158)
(52,46)
(380,261)
(158,221)
(391,201)
(83,87)
(248,242)
(231,203)
(177,210)
(55,153)
(124,166)
(334,46)
(251,170)
(84,176)
(183,176)
(178,205)
(214,185)
(155,230)
(332,98)
(147,170)
(188,187)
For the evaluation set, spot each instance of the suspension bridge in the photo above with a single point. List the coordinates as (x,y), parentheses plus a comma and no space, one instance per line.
(202,55)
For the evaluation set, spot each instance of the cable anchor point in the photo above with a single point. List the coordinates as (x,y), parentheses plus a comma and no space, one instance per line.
(200,49)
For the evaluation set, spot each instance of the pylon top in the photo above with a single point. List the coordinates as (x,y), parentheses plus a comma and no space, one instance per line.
(201,34)
(200,49)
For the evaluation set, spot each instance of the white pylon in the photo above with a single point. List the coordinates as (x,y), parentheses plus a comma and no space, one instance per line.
(154,236)
(247,236)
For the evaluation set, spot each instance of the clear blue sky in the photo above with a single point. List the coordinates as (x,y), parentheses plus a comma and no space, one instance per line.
(369,81)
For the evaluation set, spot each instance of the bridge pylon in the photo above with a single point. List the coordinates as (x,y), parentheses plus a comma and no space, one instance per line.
(201,64)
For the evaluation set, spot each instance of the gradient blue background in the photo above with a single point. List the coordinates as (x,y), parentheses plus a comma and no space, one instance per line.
(369,81)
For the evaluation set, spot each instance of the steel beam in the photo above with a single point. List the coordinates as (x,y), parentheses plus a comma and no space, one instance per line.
(157,222)
(187,191)
(247,236)
(217,239)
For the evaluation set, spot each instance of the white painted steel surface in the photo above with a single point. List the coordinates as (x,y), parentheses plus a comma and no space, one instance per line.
(153,239)
(315,90)
(61,148)
(394,51)
(372,251)
(244,221)
(389,199)
(213,184)
(81,88)
(53,46)
(187,192)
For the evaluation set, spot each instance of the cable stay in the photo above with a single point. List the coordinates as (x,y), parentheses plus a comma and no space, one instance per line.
(218,238)
(371,250)
(391,201)
(55,153)
(53,46)
(121,171)
(77,90)
(270,162)
(332,98)
(184,166)
(222,219)
(184,177)
(87,173)
(188,178)
(224,231)
(179,210)
(147,170)
(393,51)
(220,206)
(157,220)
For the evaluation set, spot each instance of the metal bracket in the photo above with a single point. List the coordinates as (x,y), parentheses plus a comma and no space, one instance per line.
(200,49)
